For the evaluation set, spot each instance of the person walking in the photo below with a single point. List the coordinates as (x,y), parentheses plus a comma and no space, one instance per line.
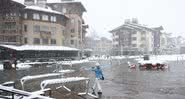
(99,76)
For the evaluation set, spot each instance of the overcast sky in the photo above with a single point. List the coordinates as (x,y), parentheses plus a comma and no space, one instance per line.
(105,15)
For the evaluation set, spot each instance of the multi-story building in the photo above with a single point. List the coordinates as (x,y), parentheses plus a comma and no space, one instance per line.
(11,22)
(75,27)
(103,46)
(30,23)
(132,38)
(158,37)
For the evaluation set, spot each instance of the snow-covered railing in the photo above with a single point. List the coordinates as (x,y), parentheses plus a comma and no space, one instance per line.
(61,81)
(26,78)
(66,71)
(28,95)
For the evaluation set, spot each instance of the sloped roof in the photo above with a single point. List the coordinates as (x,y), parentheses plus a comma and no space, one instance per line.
(37,8)
(133,26)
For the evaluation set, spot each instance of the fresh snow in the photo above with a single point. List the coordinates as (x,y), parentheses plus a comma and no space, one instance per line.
(20,66)
(41,48)
(10,89)
(37,8)
(61,80)
(26,78)
(66,71)
(60,1)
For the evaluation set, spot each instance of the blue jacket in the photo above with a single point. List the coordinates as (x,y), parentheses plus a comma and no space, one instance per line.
(98,72)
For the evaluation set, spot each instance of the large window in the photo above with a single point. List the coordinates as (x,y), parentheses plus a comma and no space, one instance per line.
(45,17)
(53,30)
(72,30)
(72,42)
(53,19)
(134,45)
(44,28)
(25,15)
(36,28)
(25,40)
(134,38)
(36,41)
(53,41)
(36,16)
(45,41)
(25,28)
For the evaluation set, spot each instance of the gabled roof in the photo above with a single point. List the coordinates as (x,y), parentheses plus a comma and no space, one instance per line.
(133,27)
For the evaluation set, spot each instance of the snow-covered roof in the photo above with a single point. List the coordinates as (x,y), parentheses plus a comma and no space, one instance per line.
(19,1)
(37,8)
(60,1)
(40,48)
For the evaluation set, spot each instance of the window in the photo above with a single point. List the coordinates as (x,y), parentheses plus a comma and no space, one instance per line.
(143,33)
(25,15)
(44,28)
(72,21)
(36,41)
(133,45)
(53,30)
(53,41)
(64,10)
(53,19)
(143,39)
(134,38)
(72,36)
(25,28)
(45,17)
(142,45)
(72,30)
(25,40)
(72,42)
(36,28)
(36,16)
(45,41)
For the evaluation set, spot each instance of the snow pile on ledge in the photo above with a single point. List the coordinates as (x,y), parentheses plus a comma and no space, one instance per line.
(20,66)
(26,78)
(61,80)
(66,71)
(40,48)
(73,62)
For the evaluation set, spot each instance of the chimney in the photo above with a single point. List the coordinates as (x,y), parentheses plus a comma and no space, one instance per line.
(135,20)
(127,21)
(41,3)
(29,2)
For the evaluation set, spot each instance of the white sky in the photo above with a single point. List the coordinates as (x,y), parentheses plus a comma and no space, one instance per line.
(105,15)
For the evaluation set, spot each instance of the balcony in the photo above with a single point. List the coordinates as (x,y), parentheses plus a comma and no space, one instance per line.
(9,19)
